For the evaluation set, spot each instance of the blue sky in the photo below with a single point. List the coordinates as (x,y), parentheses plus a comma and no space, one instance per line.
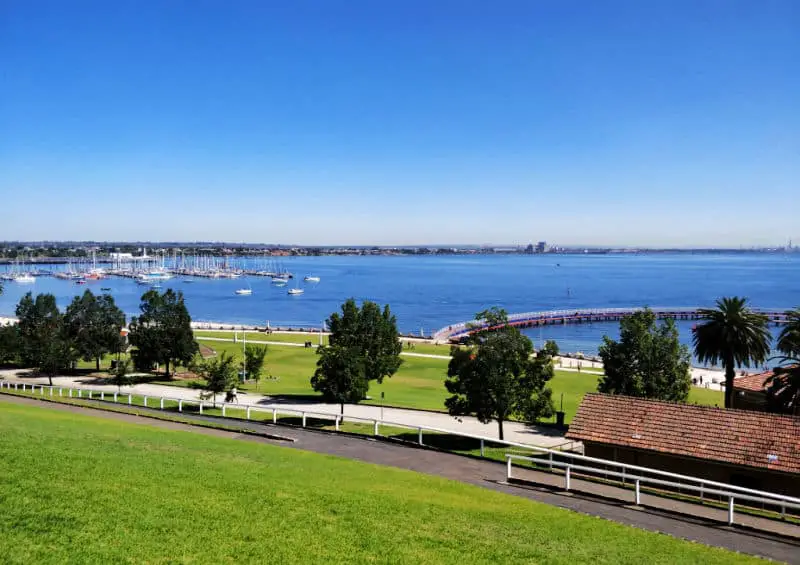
(401,121)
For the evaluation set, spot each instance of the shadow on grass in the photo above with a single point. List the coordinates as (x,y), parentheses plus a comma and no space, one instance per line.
(292,399)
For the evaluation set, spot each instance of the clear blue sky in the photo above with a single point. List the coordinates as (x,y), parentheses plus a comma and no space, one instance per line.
(401,121)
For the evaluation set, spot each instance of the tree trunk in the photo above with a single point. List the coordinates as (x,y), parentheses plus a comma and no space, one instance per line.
(50,378)
(342,404)
(730,374)
(500,428)
(166,368)
(97,363)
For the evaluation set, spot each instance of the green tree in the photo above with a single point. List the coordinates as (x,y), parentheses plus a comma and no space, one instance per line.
(44,343)
(9,344)
(550,348)
(648,361)
(733,335)
(496,376)
(340,375)
(783,386)
(94,323)
(120,375)
(162,333)
(367,341)
(220,374)
(789,338)
(254,361)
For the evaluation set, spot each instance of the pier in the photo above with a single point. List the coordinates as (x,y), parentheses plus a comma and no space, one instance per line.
(460,330)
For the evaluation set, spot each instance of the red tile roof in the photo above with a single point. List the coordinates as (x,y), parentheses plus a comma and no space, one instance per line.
(754,382)
(739,437)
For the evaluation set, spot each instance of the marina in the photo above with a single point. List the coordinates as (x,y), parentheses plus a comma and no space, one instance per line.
(428,294)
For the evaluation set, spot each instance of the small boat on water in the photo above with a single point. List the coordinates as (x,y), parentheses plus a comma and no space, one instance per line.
(244,291)
(295,291)
(24,279)
(311,279)
(279,282)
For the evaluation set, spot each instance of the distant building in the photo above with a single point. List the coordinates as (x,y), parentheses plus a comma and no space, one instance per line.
(542,247)
(741,447)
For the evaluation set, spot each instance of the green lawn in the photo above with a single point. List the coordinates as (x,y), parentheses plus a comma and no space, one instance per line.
(82,489)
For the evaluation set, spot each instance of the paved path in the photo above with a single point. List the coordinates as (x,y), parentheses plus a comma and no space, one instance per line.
(666,516)
(514,431)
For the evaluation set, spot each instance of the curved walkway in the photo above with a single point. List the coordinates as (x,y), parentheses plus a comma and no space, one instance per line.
(517,432)
(491,475)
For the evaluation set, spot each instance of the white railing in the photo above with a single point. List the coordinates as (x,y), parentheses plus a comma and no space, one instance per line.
(155,401)
(635,474)
(625,472)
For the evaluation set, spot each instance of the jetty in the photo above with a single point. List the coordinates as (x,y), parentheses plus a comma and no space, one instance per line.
(456,332)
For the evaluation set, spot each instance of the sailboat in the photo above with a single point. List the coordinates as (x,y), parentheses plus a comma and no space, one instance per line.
(24,278)
(294,291)
(310,278)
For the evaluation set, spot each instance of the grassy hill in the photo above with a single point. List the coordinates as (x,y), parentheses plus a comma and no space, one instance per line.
(85,489)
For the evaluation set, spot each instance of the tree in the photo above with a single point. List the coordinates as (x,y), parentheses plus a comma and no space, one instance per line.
(550,348)
(163,331)
(220,374)
(9,344)
(733,335)
(789,338)
(783,386)
(254,361)
(94,324)
(121,373)
(367,341)
(496,377)
(43,341)
(340,375)
(648,361)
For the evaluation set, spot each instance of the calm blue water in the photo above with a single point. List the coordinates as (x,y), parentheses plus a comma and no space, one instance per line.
(427,293)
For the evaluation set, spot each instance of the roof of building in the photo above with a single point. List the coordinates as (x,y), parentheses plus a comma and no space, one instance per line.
(753,382)
(738,437)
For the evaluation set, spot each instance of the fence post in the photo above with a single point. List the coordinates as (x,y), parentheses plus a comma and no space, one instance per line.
(304,419)
(481,447)
(162,402)
(70,393)
(420,436)
(23,387)
(60,391)
(130,399)
(201,406)
(180,405)
(508,467)
(337,423)
(102,395)
(115,396)
(51,391)
(145,402)
(274,416)
(730,510)
(566,478)
(223,410)
(550,457)
(16,386)
(637,492)
(375,429)
(248,413)
(80,393)
(41,391)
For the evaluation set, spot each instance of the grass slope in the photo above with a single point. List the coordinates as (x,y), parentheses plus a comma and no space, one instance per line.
(82,489)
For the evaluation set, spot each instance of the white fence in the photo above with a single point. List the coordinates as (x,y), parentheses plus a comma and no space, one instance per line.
(633,474)
(553,458)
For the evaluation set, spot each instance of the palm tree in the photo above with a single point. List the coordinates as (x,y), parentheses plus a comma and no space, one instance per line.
(789,338)
(783,387)
(733,335)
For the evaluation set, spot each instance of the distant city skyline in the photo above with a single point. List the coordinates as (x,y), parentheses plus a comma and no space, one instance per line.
(614,124)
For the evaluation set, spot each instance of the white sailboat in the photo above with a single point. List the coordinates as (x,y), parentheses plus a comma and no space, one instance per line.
(310,278)
(24,278)
(294,291)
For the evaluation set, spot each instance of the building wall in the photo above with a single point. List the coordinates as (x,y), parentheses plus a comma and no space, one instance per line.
(780,483)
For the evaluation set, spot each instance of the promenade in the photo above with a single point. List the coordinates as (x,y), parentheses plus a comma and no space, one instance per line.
(514,431)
